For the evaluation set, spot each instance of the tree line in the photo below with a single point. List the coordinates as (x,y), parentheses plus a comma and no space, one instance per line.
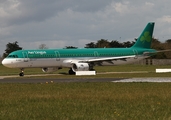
(104,43)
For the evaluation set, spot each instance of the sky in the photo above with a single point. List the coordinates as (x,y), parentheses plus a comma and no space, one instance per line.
(60,23)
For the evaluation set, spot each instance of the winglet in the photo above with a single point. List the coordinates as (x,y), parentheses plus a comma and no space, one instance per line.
(145,39)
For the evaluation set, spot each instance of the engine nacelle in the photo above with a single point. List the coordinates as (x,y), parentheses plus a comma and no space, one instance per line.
(80,67)
(49,70)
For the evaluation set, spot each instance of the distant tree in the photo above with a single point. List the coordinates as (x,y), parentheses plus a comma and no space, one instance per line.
(102,43)
(168,41)
(115,44)
(70,47)
(135,39)
(160,55)
(128,44)
(167,46)
(157,45)
(10,47)
(90,45)
(43,46)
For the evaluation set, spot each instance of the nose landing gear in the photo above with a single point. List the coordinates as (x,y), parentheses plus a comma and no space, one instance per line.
(21,74)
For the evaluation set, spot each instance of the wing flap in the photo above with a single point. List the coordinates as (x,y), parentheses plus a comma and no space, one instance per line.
(109,59)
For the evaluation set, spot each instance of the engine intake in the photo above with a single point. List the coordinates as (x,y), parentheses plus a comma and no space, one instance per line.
(80,67)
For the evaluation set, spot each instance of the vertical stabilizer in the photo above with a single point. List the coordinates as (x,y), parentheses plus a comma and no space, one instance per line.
(145,39)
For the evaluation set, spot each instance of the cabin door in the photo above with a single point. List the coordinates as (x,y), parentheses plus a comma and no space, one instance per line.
(57,56)
(136,53)
(96,54)
(25,56)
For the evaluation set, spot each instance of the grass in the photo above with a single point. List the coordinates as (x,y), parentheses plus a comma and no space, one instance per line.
(85,101)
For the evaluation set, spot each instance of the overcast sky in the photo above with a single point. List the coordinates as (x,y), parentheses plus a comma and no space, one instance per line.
(60,23)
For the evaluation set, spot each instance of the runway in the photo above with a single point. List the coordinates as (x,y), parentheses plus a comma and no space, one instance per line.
(58,80)
(69,80)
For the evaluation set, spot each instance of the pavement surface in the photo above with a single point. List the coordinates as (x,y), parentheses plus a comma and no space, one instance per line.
(16,79)
(58,80)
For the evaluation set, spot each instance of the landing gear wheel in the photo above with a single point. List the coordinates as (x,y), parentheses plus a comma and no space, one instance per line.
(92,70)
(71,72)
(21,74)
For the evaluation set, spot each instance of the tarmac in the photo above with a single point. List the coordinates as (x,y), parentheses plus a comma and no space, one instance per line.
(16,79)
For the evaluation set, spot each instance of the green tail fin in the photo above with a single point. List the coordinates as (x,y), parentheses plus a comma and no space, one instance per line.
(145,39)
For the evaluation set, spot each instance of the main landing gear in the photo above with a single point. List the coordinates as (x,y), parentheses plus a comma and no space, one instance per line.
(71,72)
(21,74)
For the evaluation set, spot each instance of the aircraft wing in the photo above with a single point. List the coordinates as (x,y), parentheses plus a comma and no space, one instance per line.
(108,59)
(155,52)
(99,60)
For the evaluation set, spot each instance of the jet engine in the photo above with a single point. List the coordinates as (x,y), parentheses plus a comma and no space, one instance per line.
(49,70)
(80,67)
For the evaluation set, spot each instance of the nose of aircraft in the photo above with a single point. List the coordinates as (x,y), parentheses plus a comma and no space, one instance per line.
(4,62)
(7,63)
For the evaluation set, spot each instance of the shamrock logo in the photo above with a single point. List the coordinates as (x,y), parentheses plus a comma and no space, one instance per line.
(146,37)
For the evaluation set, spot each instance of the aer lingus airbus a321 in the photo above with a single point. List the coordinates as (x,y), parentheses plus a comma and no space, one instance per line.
(51,60)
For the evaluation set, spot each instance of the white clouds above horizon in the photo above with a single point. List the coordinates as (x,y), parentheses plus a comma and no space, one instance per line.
(63,23)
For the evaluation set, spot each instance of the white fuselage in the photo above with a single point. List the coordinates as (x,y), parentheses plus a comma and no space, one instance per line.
(60,62)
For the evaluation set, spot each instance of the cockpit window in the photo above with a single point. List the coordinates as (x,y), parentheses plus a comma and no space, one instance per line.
(16,56)
(13,56)
(9,56)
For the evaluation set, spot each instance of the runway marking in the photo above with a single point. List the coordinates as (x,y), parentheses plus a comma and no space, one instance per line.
(165,79)
(11,76)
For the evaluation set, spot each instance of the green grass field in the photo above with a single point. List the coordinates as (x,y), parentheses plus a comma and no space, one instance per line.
(87,101)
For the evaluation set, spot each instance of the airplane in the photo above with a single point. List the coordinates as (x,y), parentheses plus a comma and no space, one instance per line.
(51,60)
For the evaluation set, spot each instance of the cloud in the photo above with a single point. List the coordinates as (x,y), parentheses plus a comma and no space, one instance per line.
(60,23)
(16,12)
(165,19)
(121,7)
